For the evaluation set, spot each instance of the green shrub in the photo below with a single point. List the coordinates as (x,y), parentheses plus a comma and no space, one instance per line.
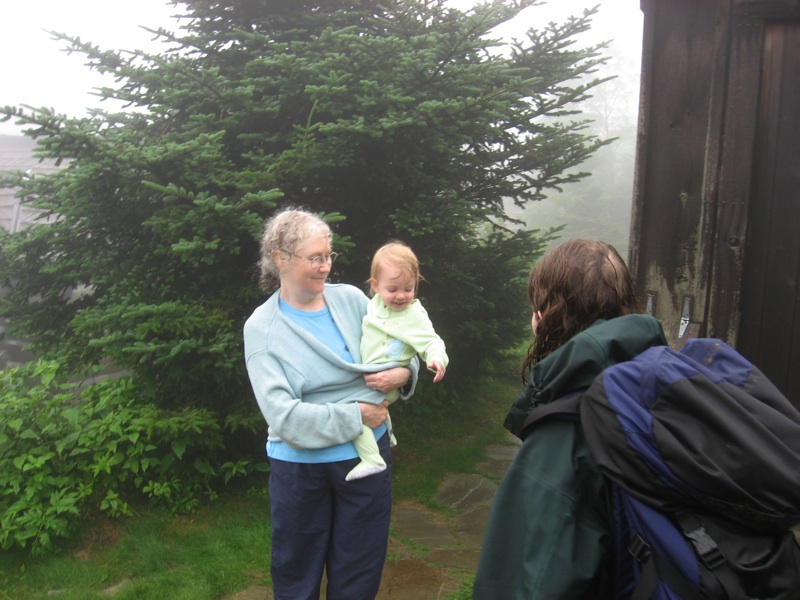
(66,450)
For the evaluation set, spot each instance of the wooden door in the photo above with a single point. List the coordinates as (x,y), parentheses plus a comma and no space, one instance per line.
(769,332)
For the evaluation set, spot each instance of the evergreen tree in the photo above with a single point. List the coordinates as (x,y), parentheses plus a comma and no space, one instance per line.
(397,119)
(599,207)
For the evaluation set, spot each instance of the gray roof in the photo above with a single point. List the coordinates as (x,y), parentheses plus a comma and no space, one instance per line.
(16,154)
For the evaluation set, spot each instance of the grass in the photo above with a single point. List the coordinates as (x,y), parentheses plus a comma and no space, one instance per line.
(224,546)
(214,552)
(454,444)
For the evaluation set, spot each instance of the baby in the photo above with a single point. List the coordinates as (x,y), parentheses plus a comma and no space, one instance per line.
(395,329)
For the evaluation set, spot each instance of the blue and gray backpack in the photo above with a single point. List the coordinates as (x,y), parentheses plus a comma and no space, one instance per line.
(703,455)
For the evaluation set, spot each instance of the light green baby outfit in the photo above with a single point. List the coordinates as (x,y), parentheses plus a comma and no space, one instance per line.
(390,336)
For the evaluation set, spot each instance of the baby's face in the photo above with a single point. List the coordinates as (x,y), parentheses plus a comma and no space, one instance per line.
(395,286)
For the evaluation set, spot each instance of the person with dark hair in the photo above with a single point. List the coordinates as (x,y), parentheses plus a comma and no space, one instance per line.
(549,530)
(302,350)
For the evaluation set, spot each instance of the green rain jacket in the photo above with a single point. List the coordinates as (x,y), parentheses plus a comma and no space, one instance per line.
(548,535)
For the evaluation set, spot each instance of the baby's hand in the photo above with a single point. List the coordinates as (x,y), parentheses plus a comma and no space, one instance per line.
(437,367)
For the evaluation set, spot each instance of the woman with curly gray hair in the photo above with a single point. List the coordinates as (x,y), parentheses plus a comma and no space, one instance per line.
(302,354)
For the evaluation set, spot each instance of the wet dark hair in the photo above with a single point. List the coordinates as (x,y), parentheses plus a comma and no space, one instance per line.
(574,285)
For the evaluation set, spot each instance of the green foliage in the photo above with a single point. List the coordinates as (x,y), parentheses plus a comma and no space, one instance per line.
(66,450)
(404,117)
(224,546)
(396,119)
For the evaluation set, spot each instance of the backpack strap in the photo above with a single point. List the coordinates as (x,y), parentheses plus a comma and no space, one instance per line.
(654,567)
(566,408)
(707,549)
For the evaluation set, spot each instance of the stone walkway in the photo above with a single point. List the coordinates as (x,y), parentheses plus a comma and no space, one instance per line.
(430,550)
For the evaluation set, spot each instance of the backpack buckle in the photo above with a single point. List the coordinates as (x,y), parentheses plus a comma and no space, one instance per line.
(638,548)
(706,547)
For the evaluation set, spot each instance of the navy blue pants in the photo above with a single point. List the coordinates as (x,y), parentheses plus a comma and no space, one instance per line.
(319,520)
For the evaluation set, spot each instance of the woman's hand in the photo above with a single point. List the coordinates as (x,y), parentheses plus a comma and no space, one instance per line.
(388,380)
(373,415)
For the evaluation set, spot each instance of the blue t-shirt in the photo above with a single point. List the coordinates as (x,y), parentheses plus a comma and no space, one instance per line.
(320,324)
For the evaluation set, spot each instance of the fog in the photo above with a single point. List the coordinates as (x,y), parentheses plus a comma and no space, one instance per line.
(37,72)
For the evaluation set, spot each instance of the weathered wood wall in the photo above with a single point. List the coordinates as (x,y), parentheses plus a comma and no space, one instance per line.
(715,230)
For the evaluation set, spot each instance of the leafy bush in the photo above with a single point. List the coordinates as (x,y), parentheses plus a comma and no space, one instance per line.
(408,119)
(66,449)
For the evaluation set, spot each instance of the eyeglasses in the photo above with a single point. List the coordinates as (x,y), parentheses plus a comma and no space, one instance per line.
(319,260)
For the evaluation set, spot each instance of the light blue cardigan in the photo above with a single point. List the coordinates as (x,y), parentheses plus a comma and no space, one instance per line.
(305,391)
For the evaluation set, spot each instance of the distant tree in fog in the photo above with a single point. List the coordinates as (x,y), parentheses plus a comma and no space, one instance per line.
(598,206)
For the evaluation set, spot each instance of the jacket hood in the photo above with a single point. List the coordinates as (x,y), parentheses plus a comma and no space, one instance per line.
(574,365)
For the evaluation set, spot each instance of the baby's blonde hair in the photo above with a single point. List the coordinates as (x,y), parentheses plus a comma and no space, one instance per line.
(398,254)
